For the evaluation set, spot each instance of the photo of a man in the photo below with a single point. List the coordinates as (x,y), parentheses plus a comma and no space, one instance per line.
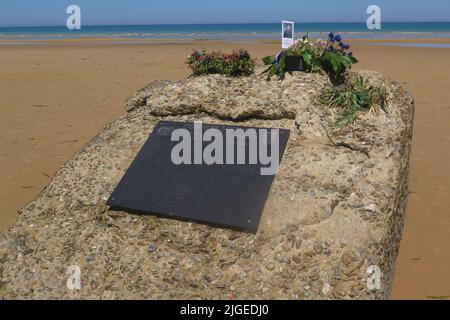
(287,34)
(287,30)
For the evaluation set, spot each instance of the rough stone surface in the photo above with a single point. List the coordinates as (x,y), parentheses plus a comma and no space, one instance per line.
(336,206)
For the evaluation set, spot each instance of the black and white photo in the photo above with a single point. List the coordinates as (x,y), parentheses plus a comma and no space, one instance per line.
(287,34)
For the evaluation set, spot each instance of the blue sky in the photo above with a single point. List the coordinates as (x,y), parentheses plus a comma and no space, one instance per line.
(103,12)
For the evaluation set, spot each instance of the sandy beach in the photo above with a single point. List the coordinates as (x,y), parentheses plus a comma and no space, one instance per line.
(56,95)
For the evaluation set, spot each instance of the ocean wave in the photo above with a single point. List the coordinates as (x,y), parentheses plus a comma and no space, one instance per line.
(219,34)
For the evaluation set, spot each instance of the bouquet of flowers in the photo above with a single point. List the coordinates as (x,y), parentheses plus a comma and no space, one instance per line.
(237,63)
(335,57)
(330,55)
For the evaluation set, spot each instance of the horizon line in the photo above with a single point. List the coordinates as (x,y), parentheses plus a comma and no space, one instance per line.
(205,23)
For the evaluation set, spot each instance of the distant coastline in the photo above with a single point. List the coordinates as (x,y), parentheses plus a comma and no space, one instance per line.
(230,32)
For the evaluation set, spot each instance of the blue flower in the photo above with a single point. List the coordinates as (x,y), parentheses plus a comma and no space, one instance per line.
(331,36)
(338,38)
(344,45)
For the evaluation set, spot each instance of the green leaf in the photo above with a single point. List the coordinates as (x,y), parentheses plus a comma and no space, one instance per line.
(268,60)
(353,59)
(273,70)
(338,62)
(307,58)
(332,60)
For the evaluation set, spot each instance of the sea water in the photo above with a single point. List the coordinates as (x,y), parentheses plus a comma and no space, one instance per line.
(233,32)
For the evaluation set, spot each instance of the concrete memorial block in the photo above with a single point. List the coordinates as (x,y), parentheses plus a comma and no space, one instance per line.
(331,226)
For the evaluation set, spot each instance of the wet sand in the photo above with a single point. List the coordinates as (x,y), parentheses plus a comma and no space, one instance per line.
(55,97)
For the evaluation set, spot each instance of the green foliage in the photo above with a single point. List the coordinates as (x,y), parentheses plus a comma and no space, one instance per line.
(238,63)
(302,49)
(274,68)
(336,64)
(352,98)
(330,56)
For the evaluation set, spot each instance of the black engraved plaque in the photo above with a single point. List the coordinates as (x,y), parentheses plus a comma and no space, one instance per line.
(225,195)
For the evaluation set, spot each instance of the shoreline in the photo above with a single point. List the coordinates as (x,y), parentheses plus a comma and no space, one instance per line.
(57,97)
(168,41)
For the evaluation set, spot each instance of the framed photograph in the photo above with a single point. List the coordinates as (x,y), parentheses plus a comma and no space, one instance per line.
(287,34)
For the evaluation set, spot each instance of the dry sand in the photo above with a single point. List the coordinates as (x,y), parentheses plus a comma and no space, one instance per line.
(55,96)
